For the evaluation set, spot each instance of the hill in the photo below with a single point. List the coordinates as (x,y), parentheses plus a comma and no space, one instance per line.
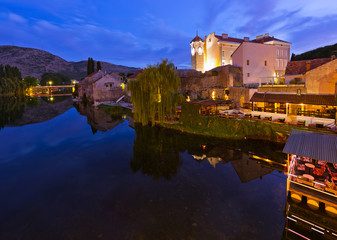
(35,62)
(322,52)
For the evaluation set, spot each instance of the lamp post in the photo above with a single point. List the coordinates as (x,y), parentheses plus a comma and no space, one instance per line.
(50,83)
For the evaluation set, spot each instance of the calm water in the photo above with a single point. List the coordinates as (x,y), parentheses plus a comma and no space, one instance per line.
(78,173)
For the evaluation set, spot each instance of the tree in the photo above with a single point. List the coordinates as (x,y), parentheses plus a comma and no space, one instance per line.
(55,78)
(90,66)
(154,94)
(99,66)
(30,81)
(10,80)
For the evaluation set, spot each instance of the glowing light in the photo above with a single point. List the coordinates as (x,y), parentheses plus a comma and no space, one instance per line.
(203,146)
(51,99)
(188,99)
(123,86)
(213,95)
(50,83)
(193,51)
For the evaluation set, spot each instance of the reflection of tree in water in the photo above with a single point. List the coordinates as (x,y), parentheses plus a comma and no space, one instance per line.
(156,150)
(11,109)
(155,153)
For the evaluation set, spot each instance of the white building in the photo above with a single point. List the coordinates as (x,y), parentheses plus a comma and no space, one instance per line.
(263,59)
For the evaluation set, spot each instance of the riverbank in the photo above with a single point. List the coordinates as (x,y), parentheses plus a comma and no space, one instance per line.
(238,128)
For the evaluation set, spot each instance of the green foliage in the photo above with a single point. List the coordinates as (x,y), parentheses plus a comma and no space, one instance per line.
(323,52)
(30,81)
(230,128)
(11,109)
(10,81)
(99,66)
(56,78)
(90,66)
(155,93)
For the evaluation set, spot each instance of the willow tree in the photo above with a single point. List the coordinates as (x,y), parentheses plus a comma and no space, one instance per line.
(154,94)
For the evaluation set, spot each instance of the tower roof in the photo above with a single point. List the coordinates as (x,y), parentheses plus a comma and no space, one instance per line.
(197,39)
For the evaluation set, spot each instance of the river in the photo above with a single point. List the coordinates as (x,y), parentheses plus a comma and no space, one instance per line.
(79,173)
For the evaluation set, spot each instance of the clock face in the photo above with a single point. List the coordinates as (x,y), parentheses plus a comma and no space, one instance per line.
(193,51)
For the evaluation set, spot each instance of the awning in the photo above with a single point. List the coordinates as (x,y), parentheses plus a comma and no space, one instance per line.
(312,145)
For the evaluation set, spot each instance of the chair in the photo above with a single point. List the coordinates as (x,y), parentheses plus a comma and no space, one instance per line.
(301,123)
(319,171)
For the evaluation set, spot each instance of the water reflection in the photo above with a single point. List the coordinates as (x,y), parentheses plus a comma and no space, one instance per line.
(141,183)
(157,153)
(22,110)
(11,109)
(97,118)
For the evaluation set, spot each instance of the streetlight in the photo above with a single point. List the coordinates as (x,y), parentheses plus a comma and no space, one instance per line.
(50,83)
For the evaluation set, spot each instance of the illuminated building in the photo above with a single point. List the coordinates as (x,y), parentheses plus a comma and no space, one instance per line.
(263,59)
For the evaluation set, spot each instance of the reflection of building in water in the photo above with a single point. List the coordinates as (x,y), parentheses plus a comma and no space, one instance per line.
(312,192)
(97,118)
(247,167)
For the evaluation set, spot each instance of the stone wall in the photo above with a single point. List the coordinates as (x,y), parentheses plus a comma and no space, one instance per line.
(282,88)
(322,80)
(198,85)
(240,96)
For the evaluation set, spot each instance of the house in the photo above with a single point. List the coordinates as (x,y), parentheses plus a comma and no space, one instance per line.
(100,86)
(262,59)
(318,75)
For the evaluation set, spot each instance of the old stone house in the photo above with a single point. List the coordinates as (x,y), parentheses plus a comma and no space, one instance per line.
(100,86)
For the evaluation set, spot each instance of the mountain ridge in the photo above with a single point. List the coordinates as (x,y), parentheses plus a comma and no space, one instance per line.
(35,62)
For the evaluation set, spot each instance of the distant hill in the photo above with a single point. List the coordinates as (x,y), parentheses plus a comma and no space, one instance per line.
(322,52)
(35,62)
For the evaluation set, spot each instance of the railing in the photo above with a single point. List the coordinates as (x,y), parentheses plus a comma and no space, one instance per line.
(330,115)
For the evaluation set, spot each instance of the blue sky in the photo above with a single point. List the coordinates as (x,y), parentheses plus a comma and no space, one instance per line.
(137,33)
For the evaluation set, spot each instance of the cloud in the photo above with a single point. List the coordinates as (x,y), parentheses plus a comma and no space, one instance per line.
(16,18)
(137,34)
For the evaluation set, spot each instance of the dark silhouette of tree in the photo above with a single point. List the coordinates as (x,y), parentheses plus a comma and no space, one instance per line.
(55,78)
(99,66)
(30,81)
(90,66)
(322,52)
(10,80)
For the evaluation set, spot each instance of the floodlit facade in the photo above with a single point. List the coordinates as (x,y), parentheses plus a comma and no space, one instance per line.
(262,60)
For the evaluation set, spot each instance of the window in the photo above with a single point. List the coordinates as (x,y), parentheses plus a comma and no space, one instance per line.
(248,74)
(247,62)
(265,62)
(106,85)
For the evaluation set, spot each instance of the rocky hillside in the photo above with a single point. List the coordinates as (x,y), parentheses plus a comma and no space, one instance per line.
(35,62)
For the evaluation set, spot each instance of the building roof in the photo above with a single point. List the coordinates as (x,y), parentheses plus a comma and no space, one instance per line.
(197,39)
(312,145)
(267,39)
(115,75)
(300,67)
(313,99)
(229,39)
(134,76)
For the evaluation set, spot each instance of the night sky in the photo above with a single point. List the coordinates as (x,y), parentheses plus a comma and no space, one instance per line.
(137,33)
